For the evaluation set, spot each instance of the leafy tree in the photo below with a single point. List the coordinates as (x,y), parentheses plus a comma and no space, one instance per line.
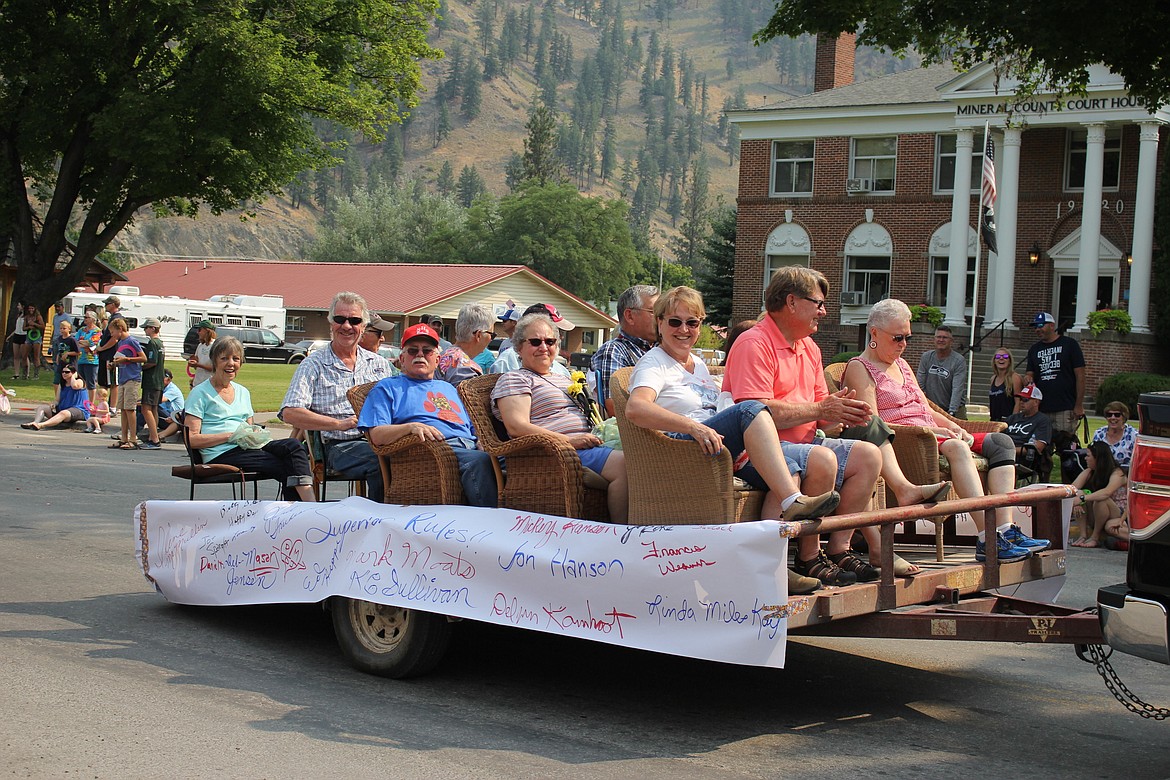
(107,108)
(393,225)
(541,164)
(1032,40)
(470,186)
(715,276)
(583,244)
(445,183)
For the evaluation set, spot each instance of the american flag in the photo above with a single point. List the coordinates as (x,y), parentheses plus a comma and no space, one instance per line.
(987,194)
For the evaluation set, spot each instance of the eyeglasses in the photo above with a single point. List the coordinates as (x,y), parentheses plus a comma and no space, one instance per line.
(546,342)
(818,302)
(1111,415)
(416,351)
(691,323)
(354,321)
(899,338)
(1002,356)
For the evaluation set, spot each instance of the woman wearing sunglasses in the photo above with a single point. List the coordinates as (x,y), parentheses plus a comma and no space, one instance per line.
(883,379)
(73,405)
(1003,394)
(1118,433)
(535,399)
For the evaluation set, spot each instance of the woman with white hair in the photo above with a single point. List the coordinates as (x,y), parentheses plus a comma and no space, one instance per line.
(883,379)
(473,333)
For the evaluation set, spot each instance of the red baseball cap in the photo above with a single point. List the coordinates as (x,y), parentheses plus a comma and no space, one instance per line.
(421,330)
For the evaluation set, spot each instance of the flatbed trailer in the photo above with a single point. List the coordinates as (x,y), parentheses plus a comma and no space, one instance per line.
(374,589)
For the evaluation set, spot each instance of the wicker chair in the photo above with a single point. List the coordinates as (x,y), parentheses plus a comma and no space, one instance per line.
(427,471)
(544,474)
(322,476)
(916,449)
(672,482)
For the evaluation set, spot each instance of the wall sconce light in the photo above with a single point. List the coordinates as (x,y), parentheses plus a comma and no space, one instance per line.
(1034,254)
(1129,258)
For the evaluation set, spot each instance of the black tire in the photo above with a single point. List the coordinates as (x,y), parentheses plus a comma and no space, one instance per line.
(389,641)
(292,361)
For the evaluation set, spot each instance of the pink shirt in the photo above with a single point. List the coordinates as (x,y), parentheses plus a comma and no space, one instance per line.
(899,404)
(764,366)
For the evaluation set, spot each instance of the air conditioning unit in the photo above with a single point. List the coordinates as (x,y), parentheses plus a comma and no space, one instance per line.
(851,298)
(857,186)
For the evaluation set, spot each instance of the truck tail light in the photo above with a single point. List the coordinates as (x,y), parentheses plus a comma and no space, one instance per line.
(1149,496)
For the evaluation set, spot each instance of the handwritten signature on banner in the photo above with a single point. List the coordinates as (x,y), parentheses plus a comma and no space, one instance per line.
(712,591)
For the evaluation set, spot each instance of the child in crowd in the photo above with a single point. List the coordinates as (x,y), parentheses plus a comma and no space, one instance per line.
(128,358)
(99,413)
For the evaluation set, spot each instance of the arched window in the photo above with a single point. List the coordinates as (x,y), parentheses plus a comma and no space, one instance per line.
(788,244)
(868,253)
(938,272)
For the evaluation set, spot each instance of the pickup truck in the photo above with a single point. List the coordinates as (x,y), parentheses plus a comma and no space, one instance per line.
(1135,615)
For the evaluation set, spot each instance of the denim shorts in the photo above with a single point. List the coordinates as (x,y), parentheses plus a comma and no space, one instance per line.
(840,447)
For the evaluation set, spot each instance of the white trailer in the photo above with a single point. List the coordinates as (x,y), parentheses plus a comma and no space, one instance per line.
(178,315)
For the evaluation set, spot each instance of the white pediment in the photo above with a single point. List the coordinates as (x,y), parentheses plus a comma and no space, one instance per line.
(940,242)
(788,239)
(1070,247)
(982,80)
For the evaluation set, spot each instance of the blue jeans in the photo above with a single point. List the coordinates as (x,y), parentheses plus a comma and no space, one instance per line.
(356,460)
(731,424)
(476,474)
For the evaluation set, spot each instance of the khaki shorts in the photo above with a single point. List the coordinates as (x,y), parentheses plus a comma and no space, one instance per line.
(1064,421)
(129,394)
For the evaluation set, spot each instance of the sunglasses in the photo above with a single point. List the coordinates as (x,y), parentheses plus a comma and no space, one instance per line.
(1001,356)
(899,338)
(546,342)
(691,323)
(354,321)
(818,302)
(416,351)
(1111,415)
(491,333)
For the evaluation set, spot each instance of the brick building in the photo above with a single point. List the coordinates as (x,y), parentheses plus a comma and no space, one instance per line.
(876,184)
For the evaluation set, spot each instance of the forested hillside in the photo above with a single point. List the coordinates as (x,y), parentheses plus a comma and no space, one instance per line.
(635,91)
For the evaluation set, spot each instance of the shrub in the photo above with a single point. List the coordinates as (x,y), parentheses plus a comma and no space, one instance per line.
(931,314)
(843,357)
(1126,387)
(1110,319)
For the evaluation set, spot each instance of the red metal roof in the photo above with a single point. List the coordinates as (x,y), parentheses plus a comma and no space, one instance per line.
(396,288)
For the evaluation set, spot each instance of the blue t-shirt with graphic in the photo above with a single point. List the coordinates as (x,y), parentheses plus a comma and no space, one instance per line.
(399,399)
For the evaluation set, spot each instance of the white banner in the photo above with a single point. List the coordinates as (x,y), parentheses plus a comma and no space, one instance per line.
(718,592)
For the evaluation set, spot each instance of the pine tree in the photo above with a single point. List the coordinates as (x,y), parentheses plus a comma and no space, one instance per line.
(695,213)
(608,151)
(443,125)
(715,275)
(472,91)
(470,186)
(445,183)
(485,24)
(541,163)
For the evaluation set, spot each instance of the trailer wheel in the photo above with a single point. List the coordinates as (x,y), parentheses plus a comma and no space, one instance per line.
(389,641)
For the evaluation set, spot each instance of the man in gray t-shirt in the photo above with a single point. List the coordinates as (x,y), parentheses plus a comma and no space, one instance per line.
(942,373)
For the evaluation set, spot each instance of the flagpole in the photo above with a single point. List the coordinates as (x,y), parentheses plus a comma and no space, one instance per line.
(978,256)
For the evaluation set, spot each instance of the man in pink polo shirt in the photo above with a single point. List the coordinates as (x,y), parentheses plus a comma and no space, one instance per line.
(778,363)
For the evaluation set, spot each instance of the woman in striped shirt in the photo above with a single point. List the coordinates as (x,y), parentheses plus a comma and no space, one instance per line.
(535,399)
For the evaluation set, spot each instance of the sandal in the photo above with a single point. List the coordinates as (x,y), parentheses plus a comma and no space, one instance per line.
(129,445)
(932,494)
(851,563)
(30,426)
(117,445)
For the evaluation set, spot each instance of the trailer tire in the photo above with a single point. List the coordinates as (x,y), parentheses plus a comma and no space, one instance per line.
(389,641)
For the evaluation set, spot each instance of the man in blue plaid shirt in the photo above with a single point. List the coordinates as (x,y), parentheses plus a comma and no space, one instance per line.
(636,335)
(316,399)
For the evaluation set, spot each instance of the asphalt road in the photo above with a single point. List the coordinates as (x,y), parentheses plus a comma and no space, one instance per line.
(103,678)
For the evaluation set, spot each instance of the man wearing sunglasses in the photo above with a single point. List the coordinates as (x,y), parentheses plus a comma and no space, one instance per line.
(777,362)
(636,335)
(316,400)
(942,374)
(414,402)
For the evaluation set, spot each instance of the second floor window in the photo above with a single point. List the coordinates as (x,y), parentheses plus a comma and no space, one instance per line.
(1078,152)
(875,159)
(945,153)
(792,168)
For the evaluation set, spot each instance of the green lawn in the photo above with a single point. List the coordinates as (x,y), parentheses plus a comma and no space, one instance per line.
(266,381)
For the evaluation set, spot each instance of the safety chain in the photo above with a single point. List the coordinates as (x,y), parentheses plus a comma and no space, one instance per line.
(1099,657)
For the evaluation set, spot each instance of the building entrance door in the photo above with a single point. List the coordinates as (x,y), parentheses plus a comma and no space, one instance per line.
(1066,298)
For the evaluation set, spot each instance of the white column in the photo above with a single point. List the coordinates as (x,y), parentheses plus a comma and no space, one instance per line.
(1088,268)
(960,228)
(1007,208)
(1143,228)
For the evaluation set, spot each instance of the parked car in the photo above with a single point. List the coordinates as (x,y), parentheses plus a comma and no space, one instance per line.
(390,352)
(1135,615)
(263,346)
(311,345)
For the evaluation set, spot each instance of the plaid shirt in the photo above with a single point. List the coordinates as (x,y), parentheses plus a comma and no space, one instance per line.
(322,380)
(619,352)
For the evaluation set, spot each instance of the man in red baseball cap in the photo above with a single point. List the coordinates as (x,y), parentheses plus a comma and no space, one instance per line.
(415,403)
